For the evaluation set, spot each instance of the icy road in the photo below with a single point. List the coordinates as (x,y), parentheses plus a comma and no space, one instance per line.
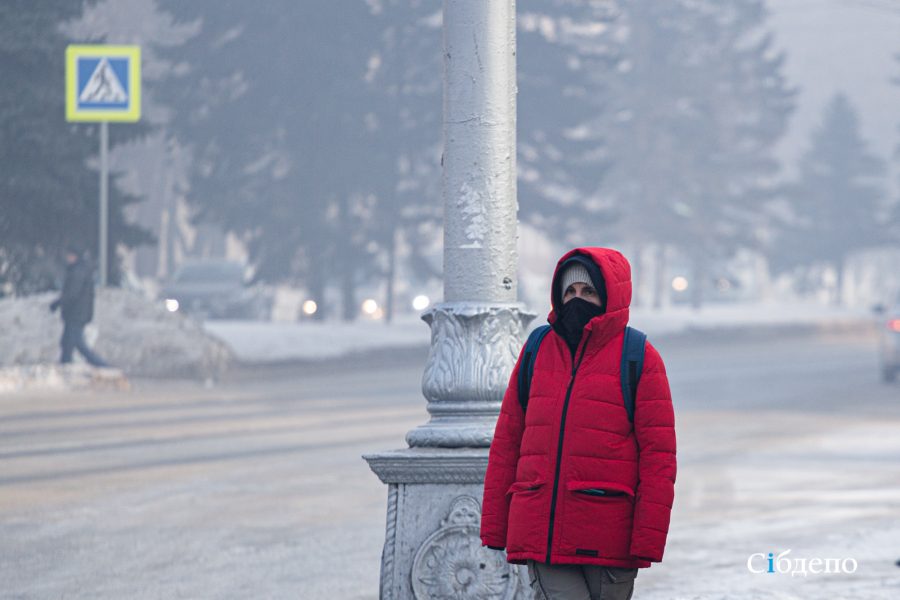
(256,488)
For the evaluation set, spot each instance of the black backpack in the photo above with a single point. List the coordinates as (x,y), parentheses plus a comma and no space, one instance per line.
(632,365)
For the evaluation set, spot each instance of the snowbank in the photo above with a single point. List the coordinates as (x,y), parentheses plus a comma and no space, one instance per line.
(746,316)
(262,342)
(138,336)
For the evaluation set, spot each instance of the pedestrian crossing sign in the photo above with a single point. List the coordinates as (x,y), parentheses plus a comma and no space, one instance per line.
(103,83)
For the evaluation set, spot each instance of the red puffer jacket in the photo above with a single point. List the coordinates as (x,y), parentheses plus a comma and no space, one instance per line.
(573,481)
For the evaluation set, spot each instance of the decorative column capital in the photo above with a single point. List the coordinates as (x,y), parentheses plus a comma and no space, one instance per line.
(474,348)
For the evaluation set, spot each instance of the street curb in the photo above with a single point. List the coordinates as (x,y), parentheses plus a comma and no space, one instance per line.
(57,378)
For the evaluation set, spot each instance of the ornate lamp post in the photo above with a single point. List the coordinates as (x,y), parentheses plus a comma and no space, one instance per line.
(432,547)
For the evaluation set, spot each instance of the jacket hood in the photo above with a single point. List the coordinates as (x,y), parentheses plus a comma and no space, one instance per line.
(616,272)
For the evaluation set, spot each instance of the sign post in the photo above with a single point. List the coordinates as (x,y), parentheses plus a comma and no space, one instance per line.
(103,84)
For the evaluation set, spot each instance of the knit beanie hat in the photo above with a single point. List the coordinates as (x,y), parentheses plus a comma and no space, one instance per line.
(574,273)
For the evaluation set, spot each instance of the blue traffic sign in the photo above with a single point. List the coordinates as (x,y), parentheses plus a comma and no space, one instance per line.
(103,83)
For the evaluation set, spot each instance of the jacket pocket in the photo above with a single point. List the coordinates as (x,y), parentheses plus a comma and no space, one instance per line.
(527,527)
(524,486)
(598,519)
(601,489)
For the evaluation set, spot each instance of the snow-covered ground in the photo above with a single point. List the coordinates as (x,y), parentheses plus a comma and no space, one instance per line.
(55,377)
(679,319)
(260,342)
(144,339)
(795,484)
(129,332)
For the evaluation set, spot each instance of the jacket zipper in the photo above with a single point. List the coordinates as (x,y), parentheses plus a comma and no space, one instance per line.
(562,430)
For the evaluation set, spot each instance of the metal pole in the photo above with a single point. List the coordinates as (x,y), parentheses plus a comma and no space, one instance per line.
(476,332)
(434,499)
(479,183)
(104,200)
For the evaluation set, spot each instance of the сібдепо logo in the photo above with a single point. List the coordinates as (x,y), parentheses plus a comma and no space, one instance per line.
(770,563)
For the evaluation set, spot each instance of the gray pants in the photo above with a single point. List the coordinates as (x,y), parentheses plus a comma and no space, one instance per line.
(580,582)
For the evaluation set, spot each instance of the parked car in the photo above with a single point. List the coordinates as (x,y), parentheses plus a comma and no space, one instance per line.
(215,289)
(889,340)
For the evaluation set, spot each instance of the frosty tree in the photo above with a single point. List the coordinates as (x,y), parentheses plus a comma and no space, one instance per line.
(48,193)
(837,204)
(272,101)
(689,99)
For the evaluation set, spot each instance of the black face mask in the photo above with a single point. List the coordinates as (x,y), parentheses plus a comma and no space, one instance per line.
(573,316)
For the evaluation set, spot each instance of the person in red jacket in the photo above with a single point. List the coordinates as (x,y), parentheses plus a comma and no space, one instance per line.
(574,488)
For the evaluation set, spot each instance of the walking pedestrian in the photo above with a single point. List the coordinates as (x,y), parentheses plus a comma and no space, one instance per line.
(581,473)
(77,308)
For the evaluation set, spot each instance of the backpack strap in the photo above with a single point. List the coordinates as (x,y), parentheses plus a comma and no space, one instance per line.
(526,369)
(632,366)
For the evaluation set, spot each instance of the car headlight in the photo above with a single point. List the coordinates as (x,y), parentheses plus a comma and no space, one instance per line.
(680,284)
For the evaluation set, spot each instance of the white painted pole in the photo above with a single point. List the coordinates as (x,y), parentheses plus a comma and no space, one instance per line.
(104,201)
(476,332)
(479,175)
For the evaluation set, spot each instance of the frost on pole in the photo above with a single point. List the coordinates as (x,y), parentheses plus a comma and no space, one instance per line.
(479,126)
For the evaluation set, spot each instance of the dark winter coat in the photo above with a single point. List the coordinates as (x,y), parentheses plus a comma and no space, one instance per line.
(77,299)
(573,481)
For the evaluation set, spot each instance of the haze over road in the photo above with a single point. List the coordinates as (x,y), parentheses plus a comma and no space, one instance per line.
(256,488)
